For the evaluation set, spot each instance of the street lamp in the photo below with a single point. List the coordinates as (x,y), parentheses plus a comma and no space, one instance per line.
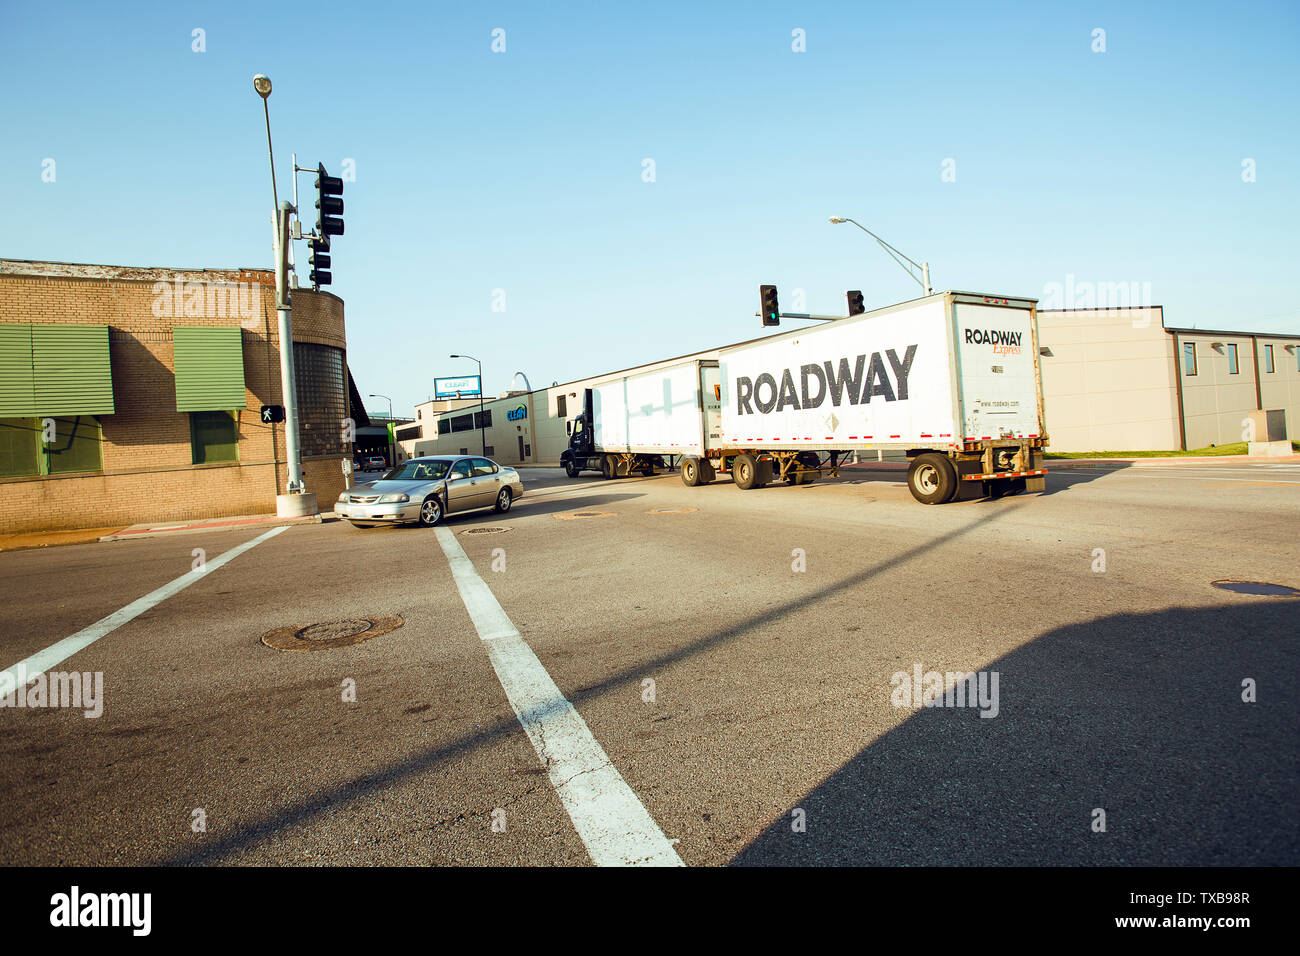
(482,422)
(923,267)
(392,452)
(296,501)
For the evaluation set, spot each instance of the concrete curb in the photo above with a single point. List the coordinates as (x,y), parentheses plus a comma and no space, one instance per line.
(216,524)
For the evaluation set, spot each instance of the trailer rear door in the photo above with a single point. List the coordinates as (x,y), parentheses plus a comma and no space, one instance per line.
(997,365)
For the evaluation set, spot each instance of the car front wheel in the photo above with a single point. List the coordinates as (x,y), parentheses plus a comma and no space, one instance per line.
(430,511)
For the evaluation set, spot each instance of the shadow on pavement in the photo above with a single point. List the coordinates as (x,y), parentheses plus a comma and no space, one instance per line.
(1138,714)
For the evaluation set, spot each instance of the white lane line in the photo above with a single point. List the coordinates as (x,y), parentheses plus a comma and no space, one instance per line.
(55,654)
(613,824)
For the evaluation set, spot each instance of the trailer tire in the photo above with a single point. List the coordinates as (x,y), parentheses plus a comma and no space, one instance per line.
(607,467)
(744,471)
(690,472)
(931,479)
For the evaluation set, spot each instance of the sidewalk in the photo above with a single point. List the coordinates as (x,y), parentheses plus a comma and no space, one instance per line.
(1165,462)
(207,524)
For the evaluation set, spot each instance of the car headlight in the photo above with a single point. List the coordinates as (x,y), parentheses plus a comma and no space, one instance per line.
(343,498)
(393,499)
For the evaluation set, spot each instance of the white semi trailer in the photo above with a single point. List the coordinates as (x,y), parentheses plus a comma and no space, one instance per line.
(631,424)
(952,380)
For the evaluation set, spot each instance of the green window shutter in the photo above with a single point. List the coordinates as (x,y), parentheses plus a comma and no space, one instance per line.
(72,370)
(209,364)
(17,384)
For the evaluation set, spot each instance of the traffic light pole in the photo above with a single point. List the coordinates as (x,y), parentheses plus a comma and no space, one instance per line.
(807,315)
(288,388)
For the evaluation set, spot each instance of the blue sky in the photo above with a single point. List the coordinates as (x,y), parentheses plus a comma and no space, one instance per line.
(522,171)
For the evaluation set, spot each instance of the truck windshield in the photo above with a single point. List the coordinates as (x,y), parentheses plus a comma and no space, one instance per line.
(418,471)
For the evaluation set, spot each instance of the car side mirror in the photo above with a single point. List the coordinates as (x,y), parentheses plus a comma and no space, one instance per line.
(568,428)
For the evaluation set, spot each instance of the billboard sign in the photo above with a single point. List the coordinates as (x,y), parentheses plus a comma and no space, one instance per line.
(461,387)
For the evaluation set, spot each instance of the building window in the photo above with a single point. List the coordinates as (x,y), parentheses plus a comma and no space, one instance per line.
(322,398)
(409,433)
(483,420)
(1189,358)
(1268,358)
(562,406)
(75,445)
(18,442)
(489,451)
(462,424)
(1232,359)
(214,437)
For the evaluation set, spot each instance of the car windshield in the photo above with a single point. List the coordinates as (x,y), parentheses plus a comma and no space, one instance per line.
(418,471)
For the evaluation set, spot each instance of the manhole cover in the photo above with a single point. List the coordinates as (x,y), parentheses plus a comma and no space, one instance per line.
(572,515)
(1257,587)
(486,531)
(671,511)
(318,637)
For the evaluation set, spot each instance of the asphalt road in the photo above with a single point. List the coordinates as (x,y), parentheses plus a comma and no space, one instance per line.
(733,657)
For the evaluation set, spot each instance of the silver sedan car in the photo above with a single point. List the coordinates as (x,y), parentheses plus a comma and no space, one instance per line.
(424,489)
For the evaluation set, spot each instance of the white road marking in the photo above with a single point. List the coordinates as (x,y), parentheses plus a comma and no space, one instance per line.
(613,824)
(55,654)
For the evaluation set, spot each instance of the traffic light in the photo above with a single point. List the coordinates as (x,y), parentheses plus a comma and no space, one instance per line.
(329,221)
(856,305)
(320,262)
(770,309)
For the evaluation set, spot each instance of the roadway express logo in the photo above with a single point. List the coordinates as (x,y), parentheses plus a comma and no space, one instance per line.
(860,384)
(1004,343)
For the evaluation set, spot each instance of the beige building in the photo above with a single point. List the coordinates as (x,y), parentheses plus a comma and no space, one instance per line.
(132,394)
(1120,380)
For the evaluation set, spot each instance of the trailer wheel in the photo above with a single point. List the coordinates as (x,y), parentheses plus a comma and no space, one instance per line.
(931,479)
(690,472)
(607,467)
(744,470)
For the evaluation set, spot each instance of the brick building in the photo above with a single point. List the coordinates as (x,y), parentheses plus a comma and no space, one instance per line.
(133,394)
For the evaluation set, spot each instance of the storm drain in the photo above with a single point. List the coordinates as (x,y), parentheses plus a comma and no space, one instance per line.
(572,515)
(1257,587)
(672,511)
(319,637)
(486,531)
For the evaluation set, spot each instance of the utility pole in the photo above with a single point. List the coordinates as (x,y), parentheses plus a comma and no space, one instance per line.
(296,501)
(482,419)
(906,262)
